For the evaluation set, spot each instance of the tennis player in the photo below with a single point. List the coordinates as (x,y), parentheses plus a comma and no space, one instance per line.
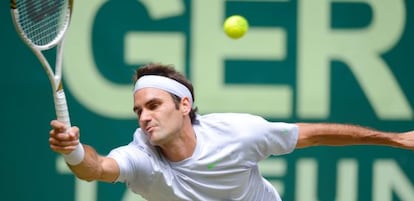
(177,154)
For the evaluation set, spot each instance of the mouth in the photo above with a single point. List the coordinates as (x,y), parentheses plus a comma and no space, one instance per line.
(149,130)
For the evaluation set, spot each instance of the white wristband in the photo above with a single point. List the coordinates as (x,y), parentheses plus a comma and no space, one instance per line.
(76,156)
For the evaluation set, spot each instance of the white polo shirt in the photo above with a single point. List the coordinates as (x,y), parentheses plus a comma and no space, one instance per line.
(222,167)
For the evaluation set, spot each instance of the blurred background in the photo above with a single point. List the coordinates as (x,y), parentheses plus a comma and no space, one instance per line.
(301,61)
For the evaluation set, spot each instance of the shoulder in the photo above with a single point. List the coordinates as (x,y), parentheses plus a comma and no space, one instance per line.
(230,118)
(138,158)
(140,145)
(231,123)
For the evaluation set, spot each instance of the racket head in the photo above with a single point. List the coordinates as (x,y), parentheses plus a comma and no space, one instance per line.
(41,23)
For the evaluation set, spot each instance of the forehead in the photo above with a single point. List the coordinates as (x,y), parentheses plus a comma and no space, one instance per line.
(146,94)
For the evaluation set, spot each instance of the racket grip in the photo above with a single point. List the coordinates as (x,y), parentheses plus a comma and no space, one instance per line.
(61,107)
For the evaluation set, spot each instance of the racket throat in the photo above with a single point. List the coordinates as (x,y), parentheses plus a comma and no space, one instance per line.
(59,86)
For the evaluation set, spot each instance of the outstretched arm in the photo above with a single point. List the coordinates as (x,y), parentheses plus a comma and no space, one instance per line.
(326,134)
(83,160)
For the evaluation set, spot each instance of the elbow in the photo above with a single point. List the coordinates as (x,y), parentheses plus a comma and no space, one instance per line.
(87,177)
(303,143)
(306,137)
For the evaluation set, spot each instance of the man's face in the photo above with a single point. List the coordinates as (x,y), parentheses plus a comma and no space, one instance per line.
(158,116)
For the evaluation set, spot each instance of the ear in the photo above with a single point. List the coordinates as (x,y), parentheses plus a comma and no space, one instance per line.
(185,105)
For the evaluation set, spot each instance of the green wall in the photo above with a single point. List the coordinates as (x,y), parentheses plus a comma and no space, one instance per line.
(314,61)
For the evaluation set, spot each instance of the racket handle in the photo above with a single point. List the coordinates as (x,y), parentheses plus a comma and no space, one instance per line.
(61,107)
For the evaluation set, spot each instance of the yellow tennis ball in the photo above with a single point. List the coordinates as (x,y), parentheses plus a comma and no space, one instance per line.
(235,26)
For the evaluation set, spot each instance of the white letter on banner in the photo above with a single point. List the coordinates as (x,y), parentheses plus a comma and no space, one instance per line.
(83,79)
(389,180)
(306,180)
(347,180)
(318,45)
(210,47)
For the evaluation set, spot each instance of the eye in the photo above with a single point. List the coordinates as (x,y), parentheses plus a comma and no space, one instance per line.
(137,111)
(153,105)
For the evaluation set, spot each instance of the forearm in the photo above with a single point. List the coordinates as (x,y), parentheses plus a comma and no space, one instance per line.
(82,159)
(90,167)
(342,135)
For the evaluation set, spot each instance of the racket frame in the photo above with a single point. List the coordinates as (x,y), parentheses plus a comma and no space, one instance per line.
(55,77)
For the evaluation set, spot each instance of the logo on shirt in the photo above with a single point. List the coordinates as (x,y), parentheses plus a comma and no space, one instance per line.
(285,131)
(211,165)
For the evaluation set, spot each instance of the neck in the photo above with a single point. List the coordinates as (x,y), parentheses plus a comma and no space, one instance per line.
(182,147)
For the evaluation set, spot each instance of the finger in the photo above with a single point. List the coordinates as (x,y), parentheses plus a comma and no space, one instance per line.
(63,150)
(63,143)
(73,133)
(57,125)
(66,137)
(63,135)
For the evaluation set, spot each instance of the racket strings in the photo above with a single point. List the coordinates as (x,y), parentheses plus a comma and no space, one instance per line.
(43,21)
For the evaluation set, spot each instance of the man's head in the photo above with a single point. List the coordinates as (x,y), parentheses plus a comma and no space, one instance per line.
(170,72)
(162,96)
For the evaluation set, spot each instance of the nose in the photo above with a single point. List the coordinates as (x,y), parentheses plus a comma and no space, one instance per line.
(144,117)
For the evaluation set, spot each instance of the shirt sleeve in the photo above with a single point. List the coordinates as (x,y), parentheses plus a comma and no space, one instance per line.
(269,138)
(281,138)
(132,162)
(135,160)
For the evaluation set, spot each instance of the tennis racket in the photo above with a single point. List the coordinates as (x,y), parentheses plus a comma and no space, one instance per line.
(42,25)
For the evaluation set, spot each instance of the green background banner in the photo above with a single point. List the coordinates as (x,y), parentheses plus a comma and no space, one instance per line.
(301,61)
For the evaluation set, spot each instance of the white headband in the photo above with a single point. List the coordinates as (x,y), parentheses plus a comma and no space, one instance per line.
(164,83)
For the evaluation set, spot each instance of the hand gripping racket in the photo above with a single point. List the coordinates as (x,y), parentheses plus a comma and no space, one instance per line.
(42,25)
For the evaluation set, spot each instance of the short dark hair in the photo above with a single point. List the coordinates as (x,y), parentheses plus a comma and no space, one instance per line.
(170,72)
